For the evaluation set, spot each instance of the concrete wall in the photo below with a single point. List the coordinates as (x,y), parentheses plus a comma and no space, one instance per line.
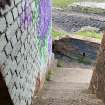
(25,47)
(97,84)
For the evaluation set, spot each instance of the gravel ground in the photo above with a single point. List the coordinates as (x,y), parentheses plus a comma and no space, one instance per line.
(72,21)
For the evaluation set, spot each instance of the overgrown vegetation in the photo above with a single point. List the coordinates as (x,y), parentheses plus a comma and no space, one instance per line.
(84,60)
(81,59)
(86,34)
(57,34)
(90,34)
(62,3)
(92,10)
(48,77)
(65,3)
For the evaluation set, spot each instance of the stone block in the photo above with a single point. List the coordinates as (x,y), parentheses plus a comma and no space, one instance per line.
(11,30)
(23,37)
(2,58)
(3,42)
(8,48)
(19,7)
(15,13)
(14,40)
(8,78)
(2,24)
(16,49)
(18,34)
(17,1)
(9,18)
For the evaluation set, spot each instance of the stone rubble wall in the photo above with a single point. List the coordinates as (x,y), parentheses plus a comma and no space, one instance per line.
(25,47)
(97,84)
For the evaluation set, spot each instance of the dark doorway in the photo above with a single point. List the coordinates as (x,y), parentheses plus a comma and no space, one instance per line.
(4,94)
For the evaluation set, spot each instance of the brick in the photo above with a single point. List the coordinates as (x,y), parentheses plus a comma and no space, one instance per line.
(2,58)
(23,37)
(12,4)
(9,18)
(8,66)
(8,48)
(17,1)
(13,93)
(19,68)
(15,13)
(18,34)
(18,57)
(8,78)
(17,102)
(14,40)
(23,102)
(18,21)
(26,45)
(16,49)
(14,66)
(22,50)
(19,7)
(11,30)
(22,63)
(3,42)
(2,24)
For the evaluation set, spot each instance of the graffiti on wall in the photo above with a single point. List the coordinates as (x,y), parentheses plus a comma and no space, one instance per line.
(39,14)
(44,18)
(26,16)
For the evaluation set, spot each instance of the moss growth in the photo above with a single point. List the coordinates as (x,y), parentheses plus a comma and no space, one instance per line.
(48,77)
(84,60)
(57,34)
(62,3)
(90,34)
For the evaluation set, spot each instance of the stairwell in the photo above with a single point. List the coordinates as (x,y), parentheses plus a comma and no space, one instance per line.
(69,86)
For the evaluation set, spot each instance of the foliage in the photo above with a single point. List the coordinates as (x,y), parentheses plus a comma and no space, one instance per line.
(84,60)
(48,77)
(91,34)
(62,3)
(65,3)
(57,34)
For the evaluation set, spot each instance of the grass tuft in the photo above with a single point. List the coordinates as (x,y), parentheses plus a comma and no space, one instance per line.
(57,34)
(90,34)
(66,3)
(85,60)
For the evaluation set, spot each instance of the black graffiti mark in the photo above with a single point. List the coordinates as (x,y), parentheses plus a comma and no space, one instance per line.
(3,3)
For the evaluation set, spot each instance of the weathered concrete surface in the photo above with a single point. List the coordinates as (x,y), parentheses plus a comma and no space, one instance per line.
(68,87)
(70,47)
(98,79)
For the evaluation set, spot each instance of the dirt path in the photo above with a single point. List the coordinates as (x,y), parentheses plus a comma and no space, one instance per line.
(69,87)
